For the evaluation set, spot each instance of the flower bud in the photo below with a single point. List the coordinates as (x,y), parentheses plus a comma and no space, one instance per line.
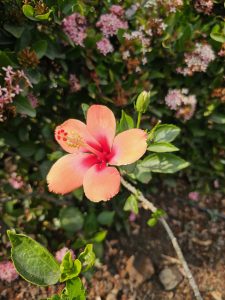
(142,102)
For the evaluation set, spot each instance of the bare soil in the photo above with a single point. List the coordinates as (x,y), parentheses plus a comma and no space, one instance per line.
(133,264)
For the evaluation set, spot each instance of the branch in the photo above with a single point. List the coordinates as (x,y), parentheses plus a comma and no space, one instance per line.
(146,204)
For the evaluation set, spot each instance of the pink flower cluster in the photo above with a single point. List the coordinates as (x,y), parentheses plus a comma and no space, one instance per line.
(7,271)
(62,252)
(104,46)
(33,100)
(16,181)
(194,196)
(75,27)
(183,104)
(109,24)
(197,60)
(142,35)
(74,83)
(204,6)
(170,6)
(14,81)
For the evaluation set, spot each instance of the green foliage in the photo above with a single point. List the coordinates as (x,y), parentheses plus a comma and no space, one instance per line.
(155,217)
(166,133)
(131,204)
(106,217)
(162,147)
(71,219)
(23,106)
(32,261)
(69,269)
(164,163)
(126,122)
(27,144)
(75,289)
(87,258)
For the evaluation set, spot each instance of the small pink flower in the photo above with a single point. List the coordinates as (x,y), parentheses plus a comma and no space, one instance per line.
(62,252)
(75,27)
(93,149)
(7,271)
(197,60)
(182,103)
(17,90)
(109,24)
(117,10)
(16,181)
(33,100)
(74,83)
(104,46)
(194,196)
(132,217)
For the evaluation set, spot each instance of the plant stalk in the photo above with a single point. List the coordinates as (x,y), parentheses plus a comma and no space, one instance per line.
(139,119)
(146,204)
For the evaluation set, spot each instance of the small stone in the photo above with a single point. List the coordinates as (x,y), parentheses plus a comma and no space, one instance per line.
(144,265)
(216,295)
(170,277)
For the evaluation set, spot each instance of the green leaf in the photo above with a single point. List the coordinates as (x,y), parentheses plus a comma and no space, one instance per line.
(71,219)
(55,155)
(5,60)
(218,33)
(126,122)
(164,163)
(99,237)
(106,217)
(28,11)
(85,108)
(23,106)
(16,31)
(131,204)
(43,17)
(218,118)
(75,289)
(27,149)
(162,147)
(142,174)
(166,133)
(69,269)
(32,261)
(152,222)
(158,213)
(87,258)
(79,193)
(40,47)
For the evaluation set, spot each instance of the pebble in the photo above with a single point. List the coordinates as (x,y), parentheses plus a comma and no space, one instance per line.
(170,277)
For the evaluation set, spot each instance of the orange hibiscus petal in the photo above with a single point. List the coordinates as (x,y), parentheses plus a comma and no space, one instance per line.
(101,184)
(73,136)
(101,124)
(128,147)
(68,172)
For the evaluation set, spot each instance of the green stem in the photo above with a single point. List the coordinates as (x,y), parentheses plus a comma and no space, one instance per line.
(139,119)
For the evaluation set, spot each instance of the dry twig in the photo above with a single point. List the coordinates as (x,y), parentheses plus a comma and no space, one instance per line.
(146,204)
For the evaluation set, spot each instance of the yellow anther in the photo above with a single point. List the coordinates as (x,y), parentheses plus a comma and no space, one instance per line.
(75,140)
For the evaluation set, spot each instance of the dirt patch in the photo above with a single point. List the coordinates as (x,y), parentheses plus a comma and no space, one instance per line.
(133,263)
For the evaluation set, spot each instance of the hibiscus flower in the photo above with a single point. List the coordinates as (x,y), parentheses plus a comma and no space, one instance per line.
(94,148)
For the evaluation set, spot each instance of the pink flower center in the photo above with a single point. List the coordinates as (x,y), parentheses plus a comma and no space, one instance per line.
(101,153)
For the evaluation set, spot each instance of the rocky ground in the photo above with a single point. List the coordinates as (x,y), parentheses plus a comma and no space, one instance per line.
(144,266)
